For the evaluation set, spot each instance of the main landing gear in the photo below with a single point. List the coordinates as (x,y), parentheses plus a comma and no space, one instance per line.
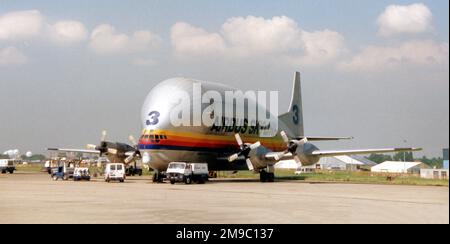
(158,177)
(267,174)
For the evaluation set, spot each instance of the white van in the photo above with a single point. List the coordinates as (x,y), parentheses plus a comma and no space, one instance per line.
(115,171)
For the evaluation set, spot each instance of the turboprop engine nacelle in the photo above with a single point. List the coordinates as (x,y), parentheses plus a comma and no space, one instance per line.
(304,152)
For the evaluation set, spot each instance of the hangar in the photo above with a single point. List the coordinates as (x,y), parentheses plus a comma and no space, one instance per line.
(399,167)
(349,163)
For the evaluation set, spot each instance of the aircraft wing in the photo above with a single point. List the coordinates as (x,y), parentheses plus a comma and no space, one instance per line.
(74,150)
(331,153)
(325,138)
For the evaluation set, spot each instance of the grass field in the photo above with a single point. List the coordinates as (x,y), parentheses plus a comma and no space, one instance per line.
(344,176)
(32,168)
(324,176)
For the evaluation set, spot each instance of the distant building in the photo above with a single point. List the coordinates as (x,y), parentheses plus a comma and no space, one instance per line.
(445,164)
(434,174)
(349,163)
(399,167)
(286,164)
(340,163)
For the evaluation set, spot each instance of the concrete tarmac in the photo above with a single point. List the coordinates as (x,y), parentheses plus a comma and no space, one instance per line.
(35,198)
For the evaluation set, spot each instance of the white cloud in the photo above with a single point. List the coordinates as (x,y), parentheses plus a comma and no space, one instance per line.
(106,40)
(255,37)
(412,19)
(20,25)
(68,32)
(279,34)
(409,54)
(189,40)
(12,56)
(320,47)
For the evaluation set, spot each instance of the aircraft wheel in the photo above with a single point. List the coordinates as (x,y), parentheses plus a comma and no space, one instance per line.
(270,177)
(188,180)
(172,182)
(263,176)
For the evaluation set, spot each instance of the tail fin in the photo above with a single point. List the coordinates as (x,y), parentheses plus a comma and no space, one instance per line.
(293,119)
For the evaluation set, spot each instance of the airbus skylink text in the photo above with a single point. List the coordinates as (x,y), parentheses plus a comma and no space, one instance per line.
(209,108)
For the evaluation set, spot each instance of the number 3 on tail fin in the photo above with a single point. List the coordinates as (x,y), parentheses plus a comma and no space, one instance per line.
(295,114)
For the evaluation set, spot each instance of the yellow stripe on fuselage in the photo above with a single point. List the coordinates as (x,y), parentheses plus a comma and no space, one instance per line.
(273,143)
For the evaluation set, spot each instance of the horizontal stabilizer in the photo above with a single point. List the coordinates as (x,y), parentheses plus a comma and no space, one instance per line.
(325,138)
(331,153)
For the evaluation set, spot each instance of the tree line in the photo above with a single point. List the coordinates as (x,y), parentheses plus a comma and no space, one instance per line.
(408,157)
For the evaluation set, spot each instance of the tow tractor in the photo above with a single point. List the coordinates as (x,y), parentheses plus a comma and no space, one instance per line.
(81,173)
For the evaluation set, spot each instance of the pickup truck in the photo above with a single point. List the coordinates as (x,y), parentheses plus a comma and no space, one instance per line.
(187,172)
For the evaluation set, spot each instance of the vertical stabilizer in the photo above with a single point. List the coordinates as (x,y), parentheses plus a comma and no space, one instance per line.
(293,119)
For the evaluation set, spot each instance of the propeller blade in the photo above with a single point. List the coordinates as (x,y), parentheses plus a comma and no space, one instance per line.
(304,140)
(297,160)
(233,157)
(112,150)
(255,145)
(132,140)
(91,146)
(146,158)
(238,139)
(249,164)
(285,137)
(279,156)
(130,158)
(103,135)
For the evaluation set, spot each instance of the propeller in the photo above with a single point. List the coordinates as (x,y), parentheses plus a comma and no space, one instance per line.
(103,135)
(292,146)
(245,150)
(117,149)
(136,152)
(103,146)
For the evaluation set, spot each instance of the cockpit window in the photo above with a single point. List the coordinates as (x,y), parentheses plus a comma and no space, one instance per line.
(155,137)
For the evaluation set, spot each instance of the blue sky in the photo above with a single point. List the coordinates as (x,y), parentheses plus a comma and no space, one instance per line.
(401,96)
